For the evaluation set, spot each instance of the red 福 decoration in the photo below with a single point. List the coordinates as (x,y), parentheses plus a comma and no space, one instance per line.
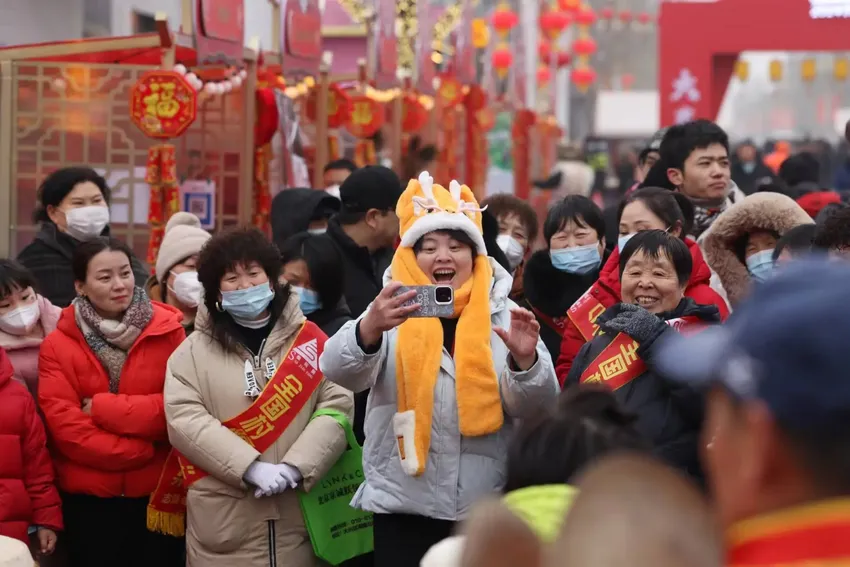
(163,104)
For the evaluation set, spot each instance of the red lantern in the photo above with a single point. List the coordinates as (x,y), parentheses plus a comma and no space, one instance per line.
(543,75)
(625,16)
(414,115)
(366,117)
(544,50)
(606,13)
(266,123)
(586,16)
(554,23)
(504,19)
(450,91)
(563,58)
(627,80)
(569,6)
(584,46)
(645,18)
(502,59)
(583,77)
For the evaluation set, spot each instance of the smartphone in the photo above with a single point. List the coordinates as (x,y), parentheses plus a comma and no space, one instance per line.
(433,300)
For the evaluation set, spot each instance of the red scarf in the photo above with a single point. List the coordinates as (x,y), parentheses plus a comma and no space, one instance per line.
(812,535)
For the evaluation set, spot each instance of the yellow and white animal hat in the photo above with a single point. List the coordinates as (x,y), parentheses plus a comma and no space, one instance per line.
(423,208)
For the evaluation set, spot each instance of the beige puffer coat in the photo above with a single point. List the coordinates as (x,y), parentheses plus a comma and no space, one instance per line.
(226,525)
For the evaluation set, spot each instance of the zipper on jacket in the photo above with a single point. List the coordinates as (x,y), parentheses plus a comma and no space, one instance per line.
(256,358)
(272,545)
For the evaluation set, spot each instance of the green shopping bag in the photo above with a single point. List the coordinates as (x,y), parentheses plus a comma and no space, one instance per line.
(338,531)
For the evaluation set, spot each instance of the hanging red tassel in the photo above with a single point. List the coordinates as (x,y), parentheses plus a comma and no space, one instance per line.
(161,177)
(262,194)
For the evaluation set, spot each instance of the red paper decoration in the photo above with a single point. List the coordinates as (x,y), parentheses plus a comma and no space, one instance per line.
(163,104)
(504,19)
(414,115)
(553,23)
(586,16)
(266,123)
(367,116)
(584,46)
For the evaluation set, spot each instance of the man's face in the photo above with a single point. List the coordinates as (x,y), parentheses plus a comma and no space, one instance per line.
(335,176)
(705,175)
(746,153)
(385,224)
(737,441)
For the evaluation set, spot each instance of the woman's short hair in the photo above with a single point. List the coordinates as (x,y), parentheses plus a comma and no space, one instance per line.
(671,207)
(14,276)
(798,240)
(655,243)
(505,204)
(324,263)
(577,209)
(58,184)
(458,235)
(554,446)
(221,254)
(87,250)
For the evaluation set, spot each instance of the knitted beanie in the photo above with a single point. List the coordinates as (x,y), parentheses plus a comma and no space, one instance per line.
(184,237)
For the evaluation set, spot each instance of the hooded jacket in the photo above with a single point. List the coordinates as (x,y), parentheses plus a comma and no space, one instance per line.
(762,211)
(669,416)
(293,209)
(606,291)
(27,494)
(23,350)
(226,525)
(119,448)
(460,470)
(49,257)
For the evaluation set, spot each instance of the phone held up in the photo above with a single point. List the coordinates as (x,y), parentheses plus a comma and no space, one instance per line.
(433,300)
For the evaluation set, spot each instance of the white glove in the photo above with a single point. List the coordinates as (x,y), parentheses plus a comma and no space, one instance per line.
(291,474)
(268,478)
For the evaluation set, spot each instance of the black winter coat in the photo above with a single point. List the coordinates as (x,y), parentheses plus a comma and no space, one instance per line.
(549,293)
(331,320)
(669,415)
(49,256)
(364,272)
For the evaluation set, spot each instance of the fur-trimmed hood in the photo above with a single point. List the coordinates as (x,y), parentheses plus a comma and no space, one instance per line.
(761,211)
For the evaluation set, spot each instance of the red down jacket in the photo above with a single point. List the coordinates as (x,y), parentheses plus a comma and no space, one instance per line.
(28,496)
(606,290)
(120,448)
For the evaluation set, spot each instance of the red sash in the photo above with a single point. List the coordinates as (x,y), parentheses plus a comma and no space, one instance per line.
(261,425)
(816,535)
(618,363)
(584,312)
(557,324)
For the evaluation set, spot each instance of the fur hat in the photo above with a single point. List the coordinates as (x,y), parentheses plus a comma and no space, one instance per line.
(425,207)
(761,211)
(184,237)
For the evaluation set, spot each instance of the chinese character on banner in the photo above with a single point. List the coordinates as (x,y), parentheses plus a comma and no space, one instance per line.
(339,106)
(366,118)
(162,104)
(685,93)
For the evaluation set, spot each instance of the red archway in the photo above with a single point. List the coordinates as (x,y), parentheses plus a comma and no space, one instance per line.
(700,40)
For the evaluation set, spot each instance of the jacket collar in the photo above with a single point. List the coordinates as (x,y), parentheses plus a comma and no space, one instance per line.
(285,327)
(550,290)
(814,533)
(54,238)
(499,290)
(165,319)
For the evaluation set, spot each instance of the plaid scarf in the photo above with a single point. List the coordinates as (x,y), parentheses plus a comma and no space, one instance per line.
(110,340)
(705,213)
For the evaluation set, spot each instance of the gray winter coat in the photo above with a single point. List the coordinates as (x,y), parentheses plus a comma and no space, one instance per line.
(459,470)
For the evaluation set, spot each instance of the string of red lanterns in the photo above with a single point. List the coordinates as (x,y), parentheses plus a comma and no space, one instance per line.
(504,19)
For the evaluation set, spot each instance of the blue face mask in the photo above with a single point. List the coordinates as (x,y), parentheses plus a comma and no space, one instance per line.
(760,265)
(247,304)
(310,302)
(580,260)
(621,242)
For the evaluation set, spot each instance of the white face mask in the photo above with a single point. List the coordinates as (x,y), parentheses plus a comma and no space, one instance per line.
(332,190)
(512,248)
(86,223)
(187,289)
(21,320)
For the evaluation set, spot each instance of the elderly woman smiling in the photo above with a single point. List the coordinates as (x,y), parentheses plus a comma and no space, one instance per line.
(655,268)
(445,392)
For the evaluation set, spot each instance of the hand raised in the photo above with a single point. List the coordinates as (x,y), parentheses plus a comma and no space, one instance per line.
(521,337)
(387,312)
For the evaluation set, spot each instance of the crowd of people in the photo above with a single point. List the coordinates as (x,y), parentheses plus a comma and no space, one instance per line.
(666,370)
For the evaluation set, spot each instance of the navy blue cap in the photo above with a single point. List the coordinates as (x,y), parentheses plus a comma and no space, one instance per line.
(787,345)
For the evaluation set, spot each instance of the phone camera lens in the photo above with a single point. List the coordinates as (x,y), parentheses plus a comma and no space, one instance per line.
(443,294)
